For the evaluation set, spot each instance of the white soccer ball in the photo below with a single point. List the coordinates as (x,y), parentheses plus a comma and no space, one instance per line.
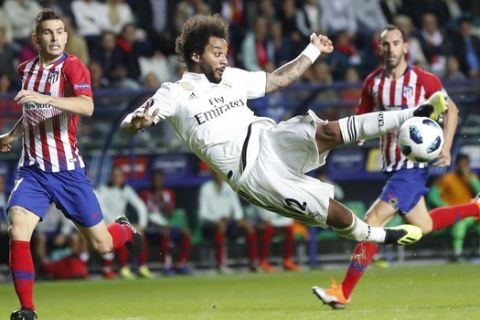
(420,139)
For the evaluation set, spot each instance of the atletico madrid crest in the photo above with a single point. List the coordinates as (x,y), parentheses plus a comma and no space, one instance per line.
(53,76)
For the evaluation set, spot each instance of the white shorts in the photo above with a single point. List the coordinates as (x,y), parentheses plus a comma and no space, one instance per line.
(276,178)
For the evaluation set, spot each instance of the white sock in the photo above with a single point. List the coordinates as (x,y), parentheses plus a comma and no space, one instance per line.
(84,256)
(373,124)
(360,231)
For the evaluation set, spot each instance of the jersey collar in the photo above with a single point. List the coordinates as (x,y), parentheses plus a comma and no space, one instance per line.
(200,77)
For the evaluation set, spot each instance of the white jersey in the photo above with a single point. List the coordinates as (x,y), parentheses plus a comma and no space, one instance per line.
(212,119)
(265,163)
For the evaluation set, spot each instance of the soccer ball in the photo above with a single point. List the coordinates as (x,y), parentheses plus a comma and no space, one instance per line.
(420,139)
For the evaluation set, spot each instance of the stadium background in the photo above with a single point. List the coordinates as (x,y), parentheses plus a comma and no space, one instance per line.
(331,88)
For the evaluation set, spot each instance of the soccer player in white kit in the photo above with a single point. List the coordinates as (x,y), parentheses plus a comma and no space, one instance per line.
(263,161)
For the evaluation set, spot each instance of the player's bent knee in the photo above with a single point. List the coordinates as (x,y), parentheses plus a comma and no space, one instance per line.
(102,248)
(19,232)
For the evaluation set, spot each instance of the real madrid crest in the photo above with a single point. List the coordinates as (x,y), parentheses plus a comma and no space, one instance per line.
(186,86)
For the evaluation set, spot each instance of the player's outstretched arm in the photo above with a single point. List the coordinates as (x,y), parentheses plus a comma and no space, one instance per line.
(139,119)
(291,71)
(81,105)
(7,138)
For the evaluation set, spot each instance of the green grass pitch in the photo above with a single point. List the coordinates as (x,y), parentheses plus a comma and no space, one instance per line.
(422,292)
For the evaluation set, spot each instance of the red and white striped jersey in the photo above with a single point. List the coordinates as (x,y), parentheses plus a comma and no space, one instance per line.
(382,93)
(50,134)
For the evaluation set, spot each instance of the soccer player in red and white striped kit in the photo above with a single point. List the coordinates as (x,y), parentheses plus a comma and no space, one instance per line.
(396,86)
(56,90)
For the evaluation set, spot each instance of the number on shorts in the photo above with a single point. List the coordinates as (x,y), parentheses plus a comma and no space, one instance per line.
(301,206)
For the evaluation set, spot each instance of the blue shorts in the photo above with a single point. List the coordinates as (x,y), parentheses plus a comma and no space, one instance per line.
(404,188)
(71,191)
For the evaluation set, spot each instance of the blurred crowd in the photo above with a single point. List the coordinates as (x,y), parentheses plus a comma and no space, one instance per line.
(130,44)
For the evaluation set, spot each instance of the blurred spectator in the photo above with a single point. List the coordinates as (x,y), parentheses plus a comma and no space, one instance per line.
(4,238)
(158,65)
(7,103)
(97,76)
(457,187)
(286,15)
(162,211)
(90,19)
(151,81)
(391,9)
(270,224)
(118,15)
(115,199)
(221,215)
(131,49)
(6,25)
(466,47)
(61,6)
(308,18)
(3,203)
(7,55)
(76,44)
(21,14)
(284,49)
(61,252)
(156,17)
(233,11)
(345,54)
(415,54)
(369,16)
(264,8)
(110,57)
(5,85)
(338,15)
(186,9)
(433,43)
(322,75)
(451,9)
(453,71)
(354,92)
(257,48)
(28,50)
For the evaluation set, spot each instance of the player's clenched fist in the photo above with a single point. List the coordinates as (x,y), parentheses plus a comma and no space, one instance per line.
(323,43)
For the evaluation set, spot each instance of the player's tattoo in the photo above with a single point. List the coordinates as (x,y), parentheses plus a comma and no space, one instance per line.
(287,74)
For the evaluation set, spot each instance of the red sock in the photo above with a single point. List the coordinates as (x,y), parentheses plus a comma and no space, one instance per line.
(164,248)
(185,248)
(446,216)
(23,274)
(289,243)
(120,233)
(219,250)
(361,257)
(266,240)
(143,257)
(252,246)
(122,256)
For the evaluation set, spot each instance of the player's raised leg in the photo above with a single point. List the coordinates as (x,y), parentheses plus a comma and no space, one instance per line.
(106,239)
(372,125)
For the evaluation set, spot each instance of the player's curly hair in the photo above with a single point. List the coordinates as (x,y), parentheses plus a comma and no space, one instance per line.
(44,15)
(195,35)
